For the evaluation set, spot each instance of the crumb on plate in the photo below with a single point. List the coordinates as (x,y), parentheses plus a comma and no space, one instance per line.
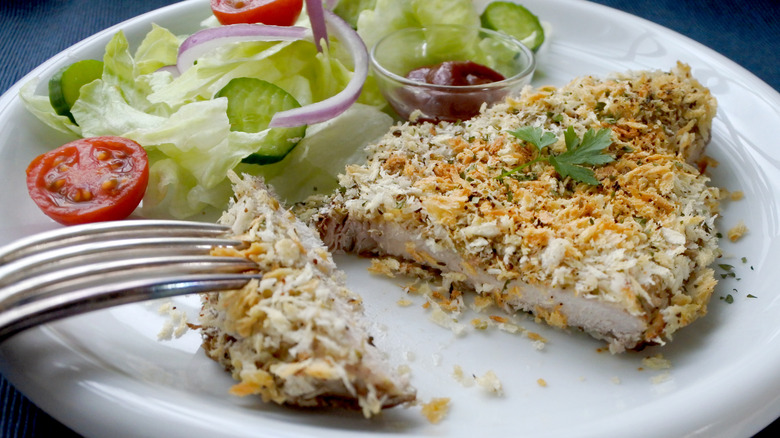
(490,382)
(436,409)
(657,362)
(660,378)
(737,231)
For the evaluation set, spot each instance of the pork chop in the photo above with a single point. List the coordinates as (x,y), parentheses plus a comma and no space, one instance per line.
(626,260)
(298,335)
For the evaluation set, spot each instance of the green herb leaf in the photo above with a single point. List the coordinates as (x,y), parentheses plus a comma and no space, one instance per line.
(586,151)
(578,173)
(536,136)
(590,150)
(572,141)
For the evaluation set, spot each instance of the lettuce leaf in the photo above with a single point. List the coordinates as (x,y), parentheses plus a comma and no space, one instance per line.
(159,48)
(40,107)
(389,15)
(324,153)
(102,109)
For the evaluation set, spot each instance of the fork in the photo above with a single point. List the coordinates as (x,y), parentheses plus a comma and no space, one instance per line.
(77,269)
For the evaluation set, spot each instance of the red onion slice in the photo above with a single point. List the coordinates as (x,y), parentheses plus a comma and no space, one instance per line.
(316,14)
(206,40)
(172,69)
(340,102)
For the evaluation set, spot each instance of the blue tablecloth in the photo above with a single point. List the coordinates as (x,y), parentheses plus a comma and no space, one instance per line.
(747,32)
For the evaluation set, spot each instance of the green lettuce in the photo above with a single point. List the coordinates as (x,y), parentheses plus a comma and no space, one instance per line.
(389,15)
(324,153)
(158,49)
(40,106)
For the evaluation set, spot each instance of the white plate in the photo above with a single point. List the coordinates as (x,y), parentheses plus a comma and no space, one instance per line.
(106,374)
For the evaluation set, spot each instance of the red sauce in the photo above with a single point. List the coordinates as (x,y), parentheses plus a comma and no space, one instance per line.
(458,73)
(450,105)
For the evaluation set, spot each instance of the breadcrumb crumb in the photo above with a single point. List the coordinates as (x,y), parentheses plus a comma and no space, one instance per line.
(542,383)
(443,319)
(663,377)
(491,383)
(737,231)
(536,337)
(176,324)
(498,319)
(481,302)
(507,327)
(657,362)
(479,324)
(737,195)
(436,409)
(384,266)
(461,377)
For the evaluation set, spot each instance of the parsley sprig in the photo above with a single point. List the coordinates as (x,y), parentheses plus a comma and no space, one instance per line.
(586,151)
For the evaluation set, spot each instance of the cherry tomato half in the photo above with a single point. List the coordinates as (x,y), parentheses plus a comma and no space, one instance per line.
(275,12)
(89,180)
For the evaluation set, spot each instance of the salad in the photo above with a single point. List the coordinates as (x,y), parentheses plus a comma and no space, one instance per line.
(267,87)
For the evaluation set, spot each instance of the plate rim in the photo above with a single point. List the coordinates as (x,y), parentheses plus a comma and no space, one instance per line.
(766,92)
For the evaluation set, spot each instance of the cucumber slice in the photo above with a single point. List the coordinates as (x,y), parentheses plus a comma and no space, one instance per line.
(251,104)
(65,85)
(514,20)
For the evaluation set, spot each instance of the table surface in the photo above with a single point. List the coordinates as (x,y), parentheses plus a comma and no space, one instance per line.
(748,33)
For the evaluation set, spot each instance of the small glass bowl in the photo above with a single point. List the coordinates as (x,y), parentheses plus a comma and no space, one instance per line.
(402,51)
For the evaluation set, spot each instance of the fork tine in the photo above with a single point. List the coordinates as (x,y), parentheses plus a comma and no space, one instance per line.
(50,281)
(88,267)
(34,262)
(50,308)
(106,231)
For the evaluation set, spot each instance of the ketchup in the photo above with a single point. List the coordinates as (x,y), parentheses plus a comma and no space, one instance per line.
(458,73)
(451,104)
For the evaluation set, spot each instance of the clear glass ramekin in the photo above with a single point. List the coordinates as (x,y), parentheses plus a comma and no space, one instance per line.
(402,51)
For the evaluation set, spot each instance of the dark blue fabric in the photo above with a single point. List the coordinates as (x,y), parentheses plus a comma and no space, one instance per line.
(747,32)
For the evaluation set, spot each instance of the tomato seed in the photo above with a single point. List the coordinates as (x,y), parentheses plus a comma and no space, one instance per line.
(109,184)
(56,185)
(82,195)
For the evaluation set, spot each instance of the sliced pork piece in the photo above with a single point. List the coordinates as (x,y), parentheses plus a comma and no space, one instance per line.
(626,260)
(298,335)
